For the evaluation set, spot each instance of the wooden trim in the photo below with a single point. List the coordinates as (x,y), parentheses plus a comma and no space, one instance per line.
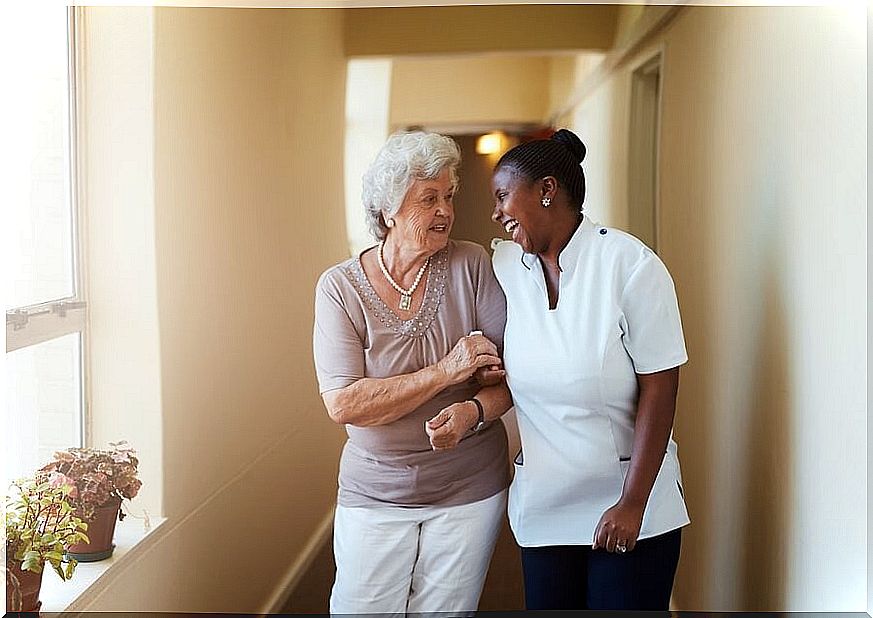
(292,577)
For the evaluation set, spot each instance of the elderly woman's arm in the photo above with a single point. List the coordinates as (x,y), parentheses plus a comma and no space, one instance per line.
(378,401)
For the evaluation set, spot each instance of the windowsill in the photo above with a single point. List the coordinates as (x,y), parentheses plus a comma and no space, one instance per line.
(91,577)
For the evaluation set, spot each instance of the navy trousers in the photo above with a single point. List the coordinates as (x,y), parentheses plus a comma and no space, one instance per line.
(575,577)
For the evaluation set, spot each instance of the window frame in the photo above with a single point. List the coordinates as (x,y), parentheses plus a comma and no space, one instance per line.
(38,323)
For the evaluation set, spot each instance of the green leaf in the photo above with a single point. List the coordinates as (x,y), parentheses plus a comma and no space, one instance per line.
(54,556)
(60,571)
(31,562)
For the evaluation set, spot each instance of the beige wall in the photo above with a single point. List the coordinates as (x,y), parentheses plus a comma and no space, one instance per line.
(116,145)
(469,90)
(762,224)
(457,29)
(602,122)
(248,116)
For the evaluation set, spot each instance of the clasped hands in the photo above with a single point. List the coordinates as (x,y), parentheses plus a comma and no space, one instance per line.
(473,355)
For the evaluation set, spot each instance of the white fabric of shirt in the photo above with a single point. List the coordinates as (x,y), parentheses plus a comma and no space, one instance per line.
(572,373)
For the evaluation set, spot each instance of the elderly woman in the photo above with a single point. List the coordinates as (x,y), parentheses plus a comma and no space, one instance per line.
(405,335)
(593,348)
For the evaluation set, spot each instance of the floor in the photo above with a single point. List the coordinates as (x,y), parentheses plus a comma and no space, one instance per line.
(503,586)
(503,591)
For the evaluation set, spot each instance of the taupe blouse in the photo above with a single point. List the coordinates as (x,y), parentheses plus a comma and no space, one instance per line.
(356,335)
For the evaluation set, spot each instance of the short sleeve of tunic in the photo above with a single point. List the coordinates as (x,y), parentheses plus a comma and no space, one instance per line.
(337,347)
(490,301)
(650,322)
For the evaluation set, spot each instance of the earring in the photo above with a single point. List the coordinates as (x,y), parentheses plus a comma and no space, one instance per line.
(389,222)
(547,201)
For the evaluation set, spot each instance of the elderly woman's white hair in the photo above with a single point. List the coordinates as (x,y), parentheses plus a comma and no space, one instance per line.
(405,158)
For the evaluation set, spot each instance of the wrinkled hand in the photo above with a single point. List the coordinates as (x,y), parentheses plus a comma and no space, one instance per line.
(447,428)
(619,525)
(468,355)
(489,376)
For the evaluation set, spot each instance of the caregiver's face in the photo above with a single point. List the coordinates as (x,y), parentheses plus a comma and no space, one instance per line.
(518,209)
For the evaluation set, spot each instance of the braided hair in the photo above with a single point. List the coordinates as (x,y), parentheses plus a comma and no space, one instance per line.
(560,156)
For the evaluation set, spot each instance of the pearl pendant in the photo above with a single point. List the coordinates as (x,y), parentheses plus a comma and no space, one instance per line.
(405,302)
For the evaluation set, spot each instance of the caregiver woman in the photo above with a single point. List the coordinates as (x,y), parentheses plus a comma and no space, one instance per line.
(592,350)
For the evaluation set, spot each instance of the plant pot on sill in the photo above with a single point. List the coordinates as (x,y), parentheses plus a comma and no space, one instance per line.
(100,532)
(29,584)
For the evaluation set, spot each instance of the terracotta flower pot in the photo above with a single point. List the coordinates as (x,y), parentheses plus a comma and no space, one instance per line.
(100,533)
(29,584)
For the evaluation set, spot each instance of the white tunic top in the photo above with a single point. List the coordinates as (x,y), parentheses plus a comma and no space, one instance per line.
(572,373)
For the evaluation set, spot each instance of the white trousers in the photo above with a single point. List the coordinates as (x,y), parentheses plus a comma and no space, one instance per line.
(413,560)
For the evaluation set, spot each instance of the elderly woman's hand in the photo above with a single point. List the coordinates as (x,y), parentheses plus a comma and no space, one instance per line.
(447,428)
(468,355)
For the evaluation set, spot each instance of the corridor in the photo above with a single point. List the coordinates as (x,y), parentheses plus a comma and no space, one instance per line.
(211,168)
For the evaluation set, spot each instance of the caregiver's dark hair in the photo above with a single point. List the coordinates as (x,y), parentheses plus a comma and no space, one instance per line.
(560,156)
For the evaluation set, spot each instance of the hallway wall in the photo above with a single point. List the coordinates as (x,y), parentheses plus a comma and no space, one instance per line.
(428,30)
(483,89)
(248,210)
(762,223)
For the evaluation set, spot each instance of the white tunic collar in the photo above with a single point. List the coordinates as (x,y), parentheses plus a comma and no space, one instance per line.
(568,258)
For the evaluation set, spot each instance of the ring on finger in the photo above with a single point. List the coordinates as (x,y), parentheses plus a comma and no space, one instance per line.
(620,548)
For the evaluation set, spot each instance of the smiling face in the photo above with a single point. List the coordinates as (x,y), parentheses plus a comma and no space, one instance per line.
(519,211)
(425,217)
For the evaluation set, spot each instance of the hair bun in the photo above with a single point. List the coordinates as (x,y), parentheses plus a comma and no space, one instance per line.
(571,142)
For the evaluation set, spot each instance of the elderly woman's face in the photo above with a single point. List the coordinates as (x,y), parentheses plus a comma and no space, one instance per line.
(425,218)
(518,209)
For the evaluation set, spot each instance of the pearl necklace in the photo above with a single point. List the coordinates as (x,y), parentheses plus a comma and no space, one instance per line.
(405,295)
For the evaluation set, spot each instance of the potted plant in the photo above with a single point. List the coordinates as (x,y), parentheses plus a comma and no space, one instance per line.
(102,479)
(40,525)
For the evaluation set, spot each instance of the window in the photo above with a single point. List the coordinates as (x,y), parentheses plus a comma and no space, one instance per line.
(43,295)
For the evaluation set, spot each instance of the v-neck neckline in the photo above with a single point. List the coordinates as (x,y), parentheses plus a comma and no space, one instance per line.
(418,323)
(567,256)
